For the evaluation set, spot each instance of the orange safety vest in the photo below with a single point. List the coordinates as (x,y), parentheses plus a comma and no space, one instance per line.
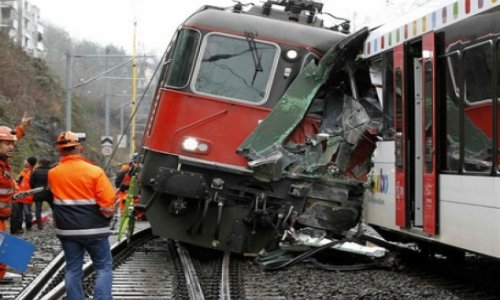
(7,184)
(83,198)
(125,171)
(24,185)
(7,188)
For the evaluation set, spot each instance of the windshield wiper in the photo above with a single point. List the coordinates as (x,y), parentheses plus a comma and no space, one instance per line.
(256,56)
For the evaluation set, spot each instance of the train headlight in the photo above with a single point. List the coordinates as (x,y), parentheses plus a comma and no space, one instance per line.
(190,144)
(195,145)
(291,55)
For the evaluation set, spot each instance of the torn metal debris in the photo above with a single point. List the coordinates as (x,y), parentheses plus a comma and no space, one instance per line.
(323,132)
(307,238)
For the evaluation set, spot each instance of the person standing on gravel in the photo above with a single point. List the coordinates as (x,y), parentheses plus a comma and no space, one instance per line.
(39,179)
(21,208)
(83,206)
(8,139)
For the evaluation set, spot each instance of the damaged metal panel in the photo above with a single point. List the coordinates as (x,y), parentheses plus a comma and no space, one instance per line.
(284,118)
(269,158)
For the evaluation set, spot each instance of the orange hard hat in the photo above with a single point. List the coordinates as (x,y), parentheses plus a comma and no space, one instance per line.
(67,139)
(7,134)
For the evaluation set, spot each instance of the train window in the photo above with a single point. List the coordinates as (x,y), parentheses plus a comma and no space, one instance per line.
(398,93)
(429,144)
(182,58)
(388,100)
(452,162)
(236,68)
(478,73)
(478,113)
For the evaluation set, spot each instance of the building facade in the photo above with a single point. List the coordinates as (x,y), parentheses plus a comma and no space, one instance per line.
(20,20)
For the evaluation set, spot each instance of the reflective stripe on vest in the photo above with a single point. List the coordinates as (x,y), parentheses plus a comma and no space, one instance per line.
(5,205)
(76,232)
(6,191)
(108,209)
(75,202)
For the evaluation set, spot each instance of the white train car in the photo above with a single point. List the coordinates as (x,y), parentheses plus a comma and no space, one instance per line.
(436,174)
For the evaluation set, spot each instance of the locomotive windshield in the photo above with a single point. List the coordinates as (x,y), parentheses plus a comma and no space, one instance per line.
(181,60)
(235,68)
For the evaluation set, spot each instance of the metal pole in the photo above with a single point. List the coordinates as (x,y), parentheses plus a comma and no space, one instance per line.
(134,92)
(106,99)
(121,119)
(69,83)
(102,74)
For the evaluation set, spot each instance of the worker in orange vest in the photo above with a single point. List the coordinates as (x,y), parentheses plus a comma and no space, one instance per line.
(8,139)
(21,208)
(122,182)
(83,206)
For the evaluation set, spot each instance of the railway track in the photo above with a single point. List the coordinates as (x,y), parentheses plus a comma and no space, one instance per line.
(146,267)
(154,268)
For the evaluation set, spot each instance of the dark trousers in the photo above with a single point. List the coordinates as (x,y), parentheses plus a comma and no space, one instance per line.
(38,209)
(20,212)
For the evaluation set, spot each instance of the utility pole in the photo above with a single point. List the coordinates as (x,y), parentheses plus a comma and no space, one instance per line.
(69,84)
(134,92)
(106,98)
(69,79)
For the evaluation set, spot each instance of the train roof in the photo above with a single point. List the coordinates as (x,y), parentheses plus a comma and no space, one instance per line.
(265,27)
(432,16)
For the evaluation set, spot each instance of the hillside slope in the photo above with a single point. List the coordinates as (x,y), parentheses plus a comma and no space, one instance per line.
(27,85)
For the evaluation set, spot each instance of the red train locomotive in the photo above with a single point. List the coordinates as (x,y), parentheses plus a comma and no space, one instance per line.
(262,120)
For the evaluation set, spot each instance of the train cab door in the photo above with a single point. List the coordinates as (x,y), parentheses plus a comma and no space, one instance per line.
(414,96)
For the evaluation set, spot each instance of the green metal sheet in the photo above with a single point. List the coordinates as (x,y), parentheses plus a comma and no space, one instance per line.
(291,109)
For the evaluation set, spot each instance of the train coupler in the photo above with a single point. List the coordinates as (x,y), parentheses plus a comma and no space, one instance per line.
(178,206)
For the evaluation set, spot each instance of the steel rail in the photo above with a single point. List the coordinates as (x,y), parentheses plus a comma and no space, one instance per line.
(59,291)
(192,281)
(225,284)
(35,288)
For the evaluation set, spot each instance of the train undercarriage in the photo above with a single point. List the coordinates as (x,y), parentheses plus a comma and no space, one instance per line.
(233,211)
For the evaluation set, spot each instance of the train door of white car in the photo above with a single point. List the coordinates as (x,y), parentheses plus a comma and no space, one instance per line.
(429,138)
(415,116)
(417,201)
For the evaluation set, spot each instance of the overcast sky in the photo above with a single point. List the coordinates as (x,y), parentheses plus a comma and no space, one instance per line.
(112,21)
